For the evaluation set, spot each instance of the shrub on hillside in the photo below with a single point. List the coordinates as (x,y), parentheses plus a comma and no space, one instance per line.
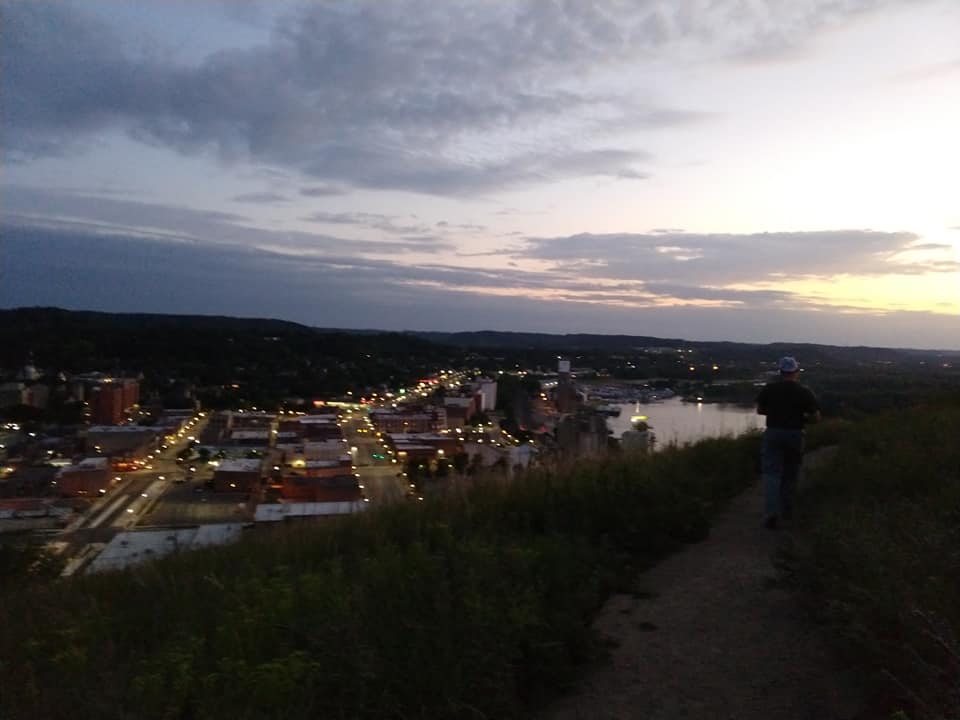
(475,604)
(884,555)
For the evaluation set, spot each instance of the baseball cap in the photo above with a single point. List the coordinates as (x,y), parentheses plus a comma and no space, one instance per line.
(788,364)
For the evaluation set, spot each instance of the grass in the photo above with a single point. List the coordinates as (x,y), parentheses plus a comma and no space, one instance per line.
(882,561)
(477,603)
(473,604)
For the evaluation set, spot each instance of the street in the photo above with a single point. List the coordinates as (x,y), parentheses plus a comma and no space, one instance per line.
(132,498)
(379,477)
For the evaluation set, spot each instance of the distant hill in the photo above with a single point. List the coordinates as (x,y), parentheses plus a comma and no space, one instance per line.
(73,340)
(257,361)
(809,353)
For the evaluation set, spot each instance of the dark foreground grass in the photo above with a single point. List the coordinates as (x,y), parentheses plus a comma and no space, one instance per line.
(476,604)
(883,558)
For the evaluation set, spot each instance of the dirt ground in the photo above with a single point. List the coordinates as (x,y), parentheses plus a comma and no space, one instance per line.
(713,634)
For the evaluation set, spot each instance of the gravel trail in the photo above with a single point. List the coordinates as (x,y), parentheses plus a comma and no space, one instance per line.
(713,635)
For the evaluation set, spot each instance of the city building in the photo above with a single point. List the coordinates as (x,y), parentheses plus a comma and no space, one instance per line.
(455,417)
(399,421)
(440,443)
(89,477)
(137,546)
(280,511)
(13,393)
(241,476)
(469,406)
(122,441)
(110,398)
(319,427)
(342,487)
(250,438)
(487,389)
(566,398)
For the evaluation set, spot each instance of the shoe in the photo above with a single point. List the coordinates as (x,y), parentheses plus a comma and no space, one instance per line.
(770,523)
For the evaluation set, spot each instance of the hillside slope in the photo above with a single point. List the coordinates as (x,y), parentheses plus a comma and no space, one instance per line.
(713,633)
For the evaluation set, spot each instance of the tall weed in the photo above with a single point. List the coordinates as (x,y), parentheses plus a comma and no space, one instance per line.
(476,603)
(883,555)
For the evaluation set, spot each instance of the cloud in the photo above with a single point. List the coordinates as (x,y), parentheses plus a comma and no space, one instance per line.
(726,295)
(89,270)
(260,197)
(122,212)
(321,191)
(930,71)
(629,174)
(724,259)
(55,209)
(445,98)
(466,227)
(386,223)
(930,246)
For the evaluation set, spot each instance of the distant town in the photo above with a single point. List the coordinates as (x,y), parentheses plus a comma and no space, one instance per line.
(135,480)
(113,466)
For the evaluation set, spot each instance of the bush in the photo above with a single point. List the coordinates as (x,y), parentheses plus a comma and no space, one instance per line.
(473,604)
(883,558)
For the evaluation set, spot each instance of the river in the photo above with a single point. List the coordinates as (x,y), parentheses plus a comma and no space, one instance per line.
(675,421)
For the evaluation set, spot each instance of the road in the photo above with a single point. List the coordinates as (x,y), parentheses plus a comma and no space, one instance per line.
(379,477)
(191,503)
(125,505)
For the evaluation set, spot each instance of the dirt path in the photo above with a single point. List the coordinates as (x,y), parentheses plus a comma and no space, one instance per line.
(717,638)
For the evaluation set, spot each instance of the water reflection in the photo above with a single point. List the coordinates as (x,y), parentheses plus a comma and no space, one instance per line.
(675,421)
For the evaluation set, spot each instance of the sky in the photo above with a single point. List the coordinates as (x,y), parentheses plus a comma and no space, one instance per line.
(747,170)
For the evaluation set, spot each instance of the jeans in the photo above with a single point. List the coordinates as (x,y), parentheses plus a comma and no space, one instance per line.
(781,457)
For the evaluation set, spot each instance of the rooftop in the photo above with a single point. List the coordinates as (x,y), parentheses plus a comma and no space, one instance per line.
(343,460)
(120,429)
(136,546)
(275,512)
(318,420)
(94,463)
(249,434)
(245,466)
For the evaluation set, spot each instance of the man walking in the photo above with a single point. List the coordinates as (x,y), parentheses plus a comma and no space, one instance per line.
(788,406)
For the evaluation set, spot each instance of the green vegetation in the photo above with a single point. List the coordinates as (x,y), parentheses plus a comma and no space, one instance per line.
(228,362)
(882,556)
(474,604)
(23,562)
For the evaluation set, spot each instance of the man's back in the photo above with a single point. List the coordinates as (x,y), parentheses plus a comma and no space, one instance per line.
(786,404)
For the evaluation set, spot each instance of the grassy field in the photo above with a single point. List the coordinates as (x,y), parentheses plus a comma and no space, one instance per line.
(882,561)
(476,604)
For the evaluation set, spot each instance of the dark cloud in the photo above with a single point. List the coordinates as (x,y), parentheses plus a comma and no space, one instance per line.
(628,174)
(114,215)
(751,297)
(321,191)
(108,272)
(722,259)
(386,223)
(260,197)
(469,227)
(415,95)
(123,212)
